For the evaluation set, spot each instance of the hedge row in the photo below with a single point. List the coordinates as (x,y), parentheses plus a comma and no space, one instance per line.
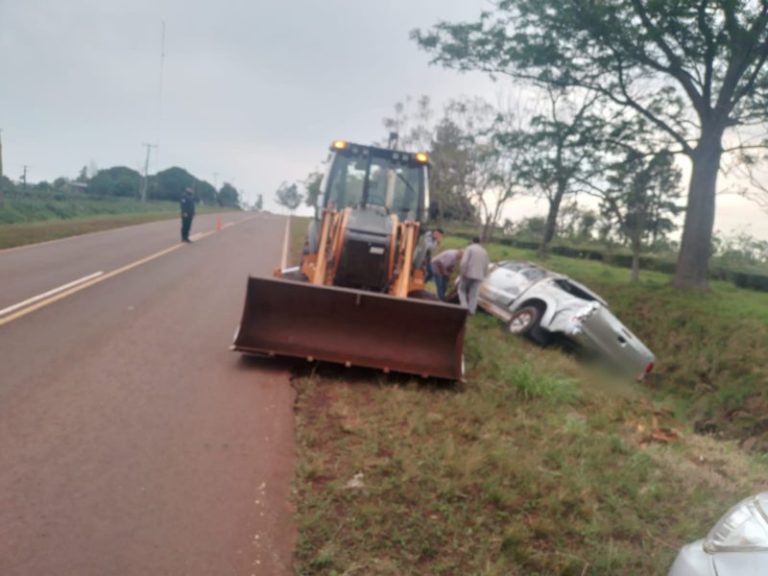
(741,278)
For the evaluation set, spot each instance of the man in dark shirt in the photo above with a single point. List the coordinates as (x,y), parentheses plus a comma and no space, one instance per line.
(187,213)
(442,267)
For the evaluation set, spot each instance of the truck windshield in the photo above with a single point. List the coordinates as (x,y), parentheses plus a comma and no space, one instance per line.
(375,181)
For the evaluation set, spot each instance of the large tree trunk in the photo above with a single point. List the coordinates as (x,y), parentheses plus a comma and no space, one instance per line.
(696,247)
(551,225)
(492,222)
(486,232)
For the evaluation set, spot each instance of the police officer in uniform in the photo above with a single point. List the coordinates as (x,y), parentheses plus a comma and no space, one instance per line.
(187,214)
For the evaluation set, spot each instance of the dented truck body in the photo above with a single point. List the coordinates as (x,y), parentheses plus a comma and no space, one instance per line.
(560,305)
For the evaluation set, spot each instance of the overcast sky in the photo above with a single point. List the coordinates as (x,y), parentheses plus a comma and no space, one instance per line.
(251,91)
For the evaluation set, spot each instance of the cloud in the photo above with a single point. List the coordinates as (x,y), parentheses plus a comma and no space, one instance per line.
(255,90)
(251,90)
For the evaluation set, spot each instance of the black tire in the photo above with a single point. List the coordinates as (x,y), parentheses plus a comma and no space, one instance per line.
(526,321)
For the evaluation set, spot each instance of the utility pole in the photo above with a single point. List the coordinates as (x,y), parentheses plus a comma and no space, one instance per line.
(143,190)
(24,177)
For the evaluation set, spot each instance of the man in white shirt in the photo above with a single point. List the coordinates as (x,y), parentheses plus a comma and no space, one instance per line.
(473,270)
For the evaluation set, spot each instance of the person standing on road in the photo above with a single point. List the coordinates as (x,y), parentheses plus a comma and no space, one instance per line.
(442,267)
(473,270)
(432,241)
(187,214)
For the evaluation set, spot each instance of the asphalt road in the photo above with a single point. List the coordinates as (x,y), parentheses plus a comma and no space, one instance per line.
(132,440)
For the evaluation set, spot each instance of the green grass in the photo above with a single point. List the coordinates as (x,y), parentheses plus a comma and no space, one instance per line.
(539,464)
(36,206)
(42,218)
(12,235)
(710,345)
(530,468)
(298,233)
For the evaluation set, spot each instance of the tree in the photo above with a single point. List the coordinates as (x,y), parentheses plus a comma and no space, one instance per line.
(115,181)
(480,162)
(447,179)
(576,223)
(448,144)
(530,227)
(288,195)
(741,250)
(445,141)
(228,196)
(558,149)
(693,68)
(413,127)
(82,176)
(259,203)
(206,192)
(473,164)
(170,184)
(312,189)
(641,199)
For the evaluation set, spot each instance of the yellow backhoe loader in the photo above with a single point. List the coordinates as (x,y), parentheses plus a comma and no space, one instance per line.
(358,296)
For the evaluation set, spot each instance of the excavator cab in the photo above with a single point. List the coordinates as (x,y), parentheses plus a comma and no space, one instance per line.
(359,295)
(370,177)
(376,189)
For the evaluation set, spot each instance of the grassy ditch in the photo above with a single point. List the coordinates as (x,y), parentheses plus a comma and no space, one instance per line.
(538,464)
(711,366)
(535,466)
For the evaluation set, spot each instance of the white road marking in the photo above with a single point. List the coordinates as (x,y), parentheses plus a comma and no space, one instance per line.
(44,295)
(82,286)
(28,306)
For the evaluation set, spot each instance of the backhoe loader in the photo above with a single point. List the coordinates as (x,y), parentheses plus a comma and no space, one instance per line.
(358,296)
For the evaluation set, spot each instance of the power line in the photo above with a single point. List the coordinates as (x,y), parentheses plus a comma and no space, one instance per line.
(160,86)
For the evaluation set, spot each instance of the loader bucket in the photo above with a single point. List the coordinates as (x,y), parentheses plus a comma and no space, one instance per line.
(351,327)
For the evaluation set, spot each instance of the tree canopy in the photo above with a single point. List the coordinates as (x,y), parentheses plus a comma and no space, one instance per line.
(692,68)
(170,184)
(312,189)
(228,196)
(288,195)
(116,181)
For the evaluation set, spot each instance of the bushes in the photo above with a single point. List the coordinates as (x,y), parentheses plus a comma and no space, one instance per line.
(750,279)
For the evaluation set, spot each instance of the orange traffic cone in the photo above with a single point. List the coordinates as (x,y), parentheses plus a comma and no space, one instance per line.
(218,223)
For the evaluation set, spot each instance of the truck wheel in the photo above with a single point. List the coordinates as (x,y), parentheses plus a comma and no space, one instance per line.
(525,321)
